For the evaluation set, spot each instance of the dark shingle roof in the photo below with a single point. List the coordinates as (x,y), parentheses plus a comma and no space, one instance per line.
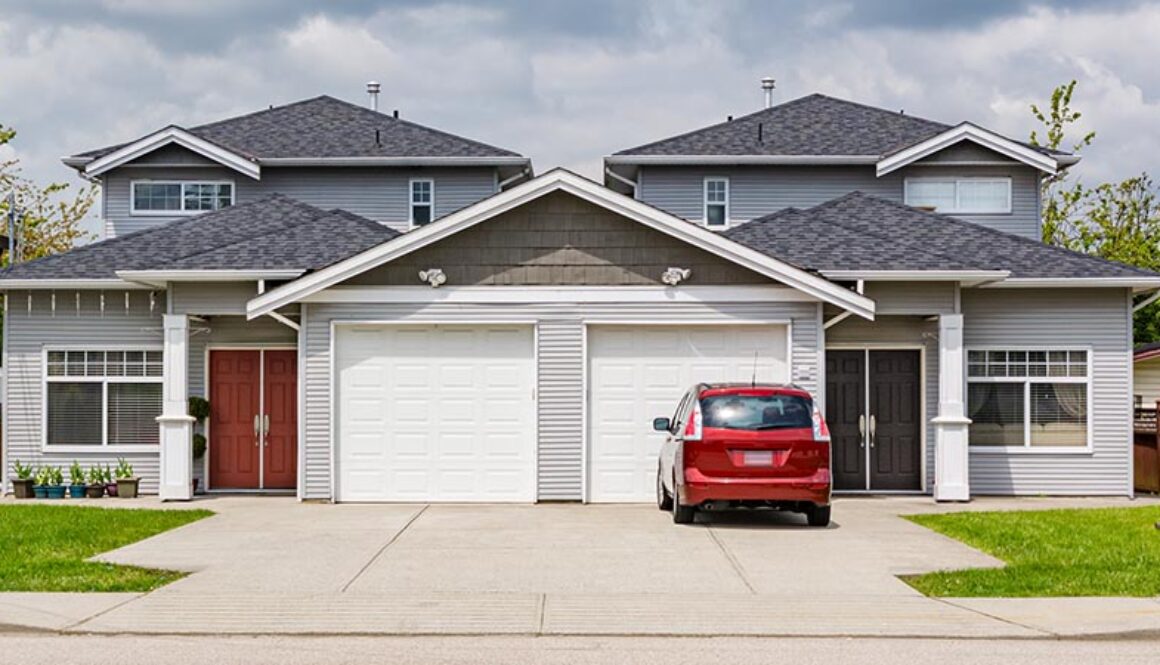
(815,125)
(329,127)
(271,233)
(861,232)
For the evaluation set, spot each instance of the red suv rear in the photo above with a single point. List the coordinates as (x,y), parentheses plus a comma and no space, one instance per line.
(734,445)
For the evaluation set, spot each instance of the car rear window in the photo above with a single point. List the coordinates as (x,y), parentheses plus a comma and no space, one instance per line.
(756,412)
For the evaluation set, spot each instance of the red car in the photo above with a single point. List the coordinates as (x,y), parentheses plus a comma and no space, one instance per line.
(745,445)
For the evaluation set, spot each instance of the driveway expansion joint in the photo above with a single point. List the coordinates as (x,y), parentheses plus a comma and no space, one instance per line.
(996,617)
(731,559)
(384,548)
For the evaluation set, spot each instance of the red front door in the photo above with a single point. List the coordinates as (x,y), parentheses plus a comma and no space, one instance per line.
(253,433)
(280,452)
(235,395)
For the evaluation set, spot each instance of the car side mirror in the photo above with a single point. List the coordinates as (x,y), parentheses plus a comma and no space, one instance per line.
(661,424)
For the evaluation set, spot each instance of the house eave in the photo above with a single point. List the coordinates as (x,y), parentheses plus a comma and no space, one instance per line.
(162,277)
(173,135)
(917,275)
(975,134)
(68,284)
(740,160)
(396,161)
(1136,283)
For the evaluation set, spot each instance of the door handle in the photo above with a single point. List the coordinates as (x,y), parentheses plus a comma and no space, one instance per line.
(257,430)
(873,429)
(265,429)
(862,430)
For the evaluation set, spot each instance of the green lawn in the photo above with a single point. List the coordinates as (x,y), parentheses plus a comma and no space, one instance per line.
(1087,552)
(43,548)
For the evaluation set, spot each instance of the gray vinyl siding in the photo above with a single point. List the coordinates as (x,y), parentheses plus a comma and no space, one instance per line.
(381,194)
(212,298)
(912,297)
(966,152)
(560,368)
(909,331)
(755,191)
(1095,318)
(29,332)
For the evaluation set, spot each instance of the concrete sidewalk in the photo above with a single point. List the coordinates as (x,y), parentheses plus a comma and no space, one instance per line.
(275,566)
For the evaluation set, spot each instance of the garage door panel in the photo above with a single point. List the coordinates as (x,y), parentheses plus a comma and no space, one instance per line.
(436,413)
(637,373)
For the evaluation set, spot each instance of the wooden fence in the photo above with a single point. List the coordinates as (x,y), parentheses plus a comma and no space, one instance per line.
(1146,449)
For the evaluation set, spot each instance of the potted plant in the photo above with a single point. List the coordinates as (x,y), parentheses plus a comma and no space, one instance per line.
(40,488)
(55,483)
(110,485)
(96,487)
(199,410)
(199,446)
(23,481)
(76,478)
(126,481)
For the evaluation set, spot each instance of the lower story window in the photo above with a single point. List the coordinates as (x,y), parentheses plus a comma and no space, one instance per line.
(99,398)
(1028,398)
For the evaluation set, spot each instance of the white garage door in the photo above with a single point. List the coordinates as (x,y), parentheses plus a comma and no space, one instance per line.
(637,373)
(435,413)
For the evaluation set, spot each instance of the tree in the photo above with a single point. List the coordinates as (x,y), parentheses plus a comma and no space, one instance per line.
(50,219)
(1119,221)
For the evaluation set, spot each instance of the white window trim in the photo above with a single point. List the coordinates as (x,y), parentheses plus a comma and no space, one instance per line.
(956,180)
(175,213)
(411,201)
(705,203)
(1027,448)
(104,446)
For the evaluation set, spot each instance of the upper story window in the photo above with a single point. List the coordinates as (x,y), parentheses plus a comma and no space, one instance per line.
(716,201)
(102,397)
(173,197)
(976,196)
(422,201)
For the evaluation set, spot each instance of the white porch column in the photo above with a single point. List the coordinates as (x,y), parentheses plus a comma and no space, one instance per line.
(951,460)
(176,482)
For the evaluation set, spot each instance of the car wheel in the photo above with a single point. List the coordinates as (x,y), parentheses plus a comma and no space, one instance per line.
(664,499)
(818,515)
(682,514)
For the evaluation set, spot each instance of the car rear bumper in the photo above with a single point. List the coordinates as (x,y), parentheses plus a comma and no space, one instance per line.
(699,488)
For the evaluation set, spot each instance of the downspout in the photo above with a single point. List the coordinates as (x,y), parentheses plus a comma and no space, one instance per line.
(860,287)
(524,173)
(275,315)
(1146,301)
(619,178)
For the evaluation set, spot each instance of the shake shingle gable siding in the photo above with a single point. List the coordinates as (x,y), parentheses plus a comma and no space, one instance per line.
(327,127)
(811,126)
(275,232)
(860,232)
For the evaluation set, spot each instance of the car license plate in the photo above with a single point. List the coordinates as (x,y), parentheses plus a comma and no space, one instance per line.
(757,457)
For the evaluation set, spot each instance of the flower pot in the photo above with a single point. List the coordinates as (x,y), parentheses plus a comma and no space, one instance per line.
(40,491)
(22,488)
(76,490)
(55,491)
(127,487)
(111,489)
(196,484)
(94,491)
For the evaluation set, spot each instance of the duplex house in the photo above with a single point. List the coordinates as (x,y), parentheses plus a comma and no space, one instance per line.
(378,311)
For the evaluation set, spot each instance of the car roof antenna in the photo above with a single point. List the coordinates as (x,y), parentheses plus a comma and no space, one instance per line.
(753,381)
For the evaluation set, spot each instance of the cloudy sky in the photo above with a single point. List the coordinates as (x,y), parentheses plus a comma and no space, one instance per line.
(569,82)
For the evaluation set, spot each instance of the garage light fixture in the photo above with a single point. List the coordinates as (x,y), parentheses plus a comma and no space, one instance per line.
(433,276)
(674,276)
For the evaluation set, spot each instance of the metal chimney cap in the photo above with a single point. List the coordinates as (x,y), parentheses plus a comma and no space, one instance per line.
(373,87)
(768,83)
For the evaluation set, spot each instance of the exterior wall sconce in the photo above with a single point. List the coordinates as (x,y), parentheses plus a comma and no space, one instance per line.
(674,276)
(433,276)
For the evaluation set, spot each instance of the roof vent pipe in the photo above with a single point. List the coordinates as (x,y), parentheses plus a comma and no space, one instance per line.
(373,88)
(768,84)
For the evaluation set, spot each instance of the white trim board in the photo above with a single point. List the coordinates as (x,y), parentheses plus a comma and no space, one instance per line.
(562,180)
(554,294)
(975,134)
(181,137)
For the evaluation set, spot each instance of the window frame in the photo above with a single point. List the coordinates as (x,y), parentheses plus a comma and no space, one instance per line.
(1027,381)
(104,446)
(957,180)
(411,201)
(705,203)
(135,212)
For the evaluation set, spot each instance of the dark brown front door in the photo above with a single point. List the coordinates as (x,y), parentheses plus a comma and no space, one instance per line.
(896,425)
(234,402)
(280,451)
(845,405)
(873,408)
(253,432)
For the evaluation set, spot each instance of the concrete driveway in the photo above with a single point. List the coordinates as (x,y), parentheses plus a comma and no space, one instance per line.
(273,565)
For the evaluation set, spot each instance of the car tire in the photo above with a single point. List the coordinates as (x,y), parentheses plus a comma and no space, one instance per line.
(682,514)
(818,515)
(664,499)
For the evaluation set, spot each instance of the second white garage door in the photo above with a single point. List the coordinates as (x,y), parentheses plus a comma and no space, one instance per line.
(435,413)
(637,373)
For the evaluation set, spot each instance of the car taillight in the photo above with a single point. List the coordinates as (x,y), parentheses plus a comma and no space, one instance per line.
(693,427)
(821,430)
